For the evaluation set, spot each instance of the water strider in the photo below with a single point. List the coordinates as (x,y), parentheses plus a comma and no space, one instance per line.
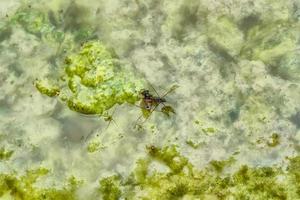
(150,103)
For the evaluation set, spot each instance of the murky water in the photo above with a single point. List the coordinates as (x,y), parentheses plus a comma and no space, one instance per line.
(236,63)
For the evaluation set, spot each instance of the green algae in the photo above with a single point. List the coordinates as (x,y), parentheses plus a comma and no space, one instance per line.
(274,140)
(293,170)
(270,42)
(92,82)
(260,183)
(184,181)
(94,146)
(220,165)
(80,84)
(225,35)
(186,17)
(37,23)
(169,156)
(5,30)
(5,154)
(109,188)
(193,144)
(31,20)
(209,130)
(288,67)
(47,88)
(23,187)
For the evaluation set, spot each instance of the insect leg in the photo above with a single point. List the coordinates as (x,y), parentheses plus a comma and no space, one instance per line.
(156,93)
(174,87)
(151,111)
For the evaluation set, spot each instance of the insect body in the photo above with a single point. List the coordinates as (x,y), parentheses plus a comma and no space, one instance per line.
(149,103)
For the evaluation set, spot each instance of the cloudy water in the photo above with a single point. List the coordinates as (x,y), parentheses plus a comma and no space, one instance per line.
(150,99)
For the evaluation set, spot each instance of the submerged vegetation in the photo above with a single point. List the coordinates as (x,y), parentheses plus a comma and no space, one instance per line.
(239,92)
(178,179)
(181,180)
(24,187)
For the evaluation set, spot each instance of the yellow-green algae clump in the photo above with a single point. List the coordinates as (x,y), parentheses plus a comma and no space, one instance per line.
(183,181)
(5,154)
(179,180)
(92,82)
(24,188)
(94,146)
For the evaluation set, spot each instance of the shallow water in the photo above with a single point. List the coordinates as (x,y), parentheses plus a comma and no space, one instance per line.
(236,63)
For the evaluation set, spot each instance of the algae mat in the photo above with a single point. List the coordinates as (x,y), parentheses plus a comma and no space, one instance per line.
(150,99)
